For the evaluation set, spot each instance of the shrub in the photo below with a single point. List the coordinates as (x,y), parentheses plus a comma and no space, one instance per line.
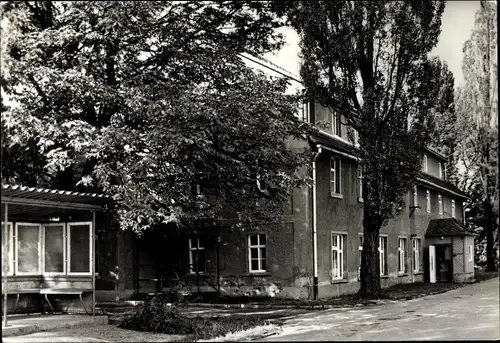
(158,316)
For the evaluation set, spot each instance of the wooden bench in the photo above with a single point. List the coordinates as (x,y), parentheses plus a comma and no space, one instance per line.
(64,291)
(18,292)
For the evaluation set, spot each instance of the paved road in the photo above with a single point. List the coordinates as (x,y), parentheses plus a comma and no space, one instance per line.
(468,313)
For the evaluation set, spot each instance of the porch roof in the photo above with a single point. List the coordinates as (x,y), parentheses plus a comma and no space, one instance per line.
(447,227)
(32,202)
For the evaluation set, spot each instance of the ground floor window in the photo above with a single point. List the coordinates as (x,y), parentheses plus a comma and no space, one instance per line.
(382,253)
(360,249)
(54,248)
(401,255)
(416,255)
(257,256)
(79,247)
(7,249)
(197,256)
(338,263)
(28,248)
(51,248)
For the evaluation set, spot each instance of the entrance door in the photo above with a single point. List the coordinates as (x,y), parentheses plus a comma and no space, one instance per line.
(432,263)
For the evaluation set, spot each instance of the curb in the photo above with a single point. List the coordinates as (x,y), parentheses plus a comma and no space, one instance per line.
(29,329)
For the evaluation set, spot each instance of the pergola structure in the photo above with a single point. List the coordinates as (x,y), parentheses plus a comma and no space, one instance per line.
(46,218)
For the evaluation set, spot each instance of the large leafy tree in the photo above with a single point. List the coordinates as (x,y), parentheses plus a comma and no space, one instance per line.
(477,109)
(444,136)
(150,103)
(368,61)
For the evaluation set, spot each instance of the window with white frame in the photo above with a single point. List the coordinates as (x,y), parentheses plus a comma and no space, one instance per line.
(428,200)
(197,256)
(440,204)
(401,255)
(471,253)
(335,175)
(440,170)
(453,208)
(79,248)
(415,196)
(416,255)
(257,259)
(336,125)
(7,249)
(54,248)
(425,163)
(338,256)
(382,253)
(360,179)
(28,248)
(360,249)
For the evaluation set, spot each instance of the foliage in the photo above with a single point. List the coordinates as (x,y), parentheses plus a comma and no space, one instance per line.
(477,110)
(444,136)
(159,317)
(144,101)
(368,61)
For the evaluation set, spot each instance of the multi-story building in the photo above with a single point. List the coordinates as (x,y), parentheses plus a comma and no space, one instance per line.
(316,249)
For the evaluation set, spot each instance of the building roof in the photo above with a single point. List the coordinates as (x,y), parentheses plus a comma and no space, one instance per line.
(447,227)
(32,202)
(434,153)
(440,184)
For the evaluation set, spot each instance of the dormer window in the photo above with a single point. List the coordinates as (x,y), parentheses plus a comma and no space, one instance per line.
(440,170)
(425,163)
(336,127)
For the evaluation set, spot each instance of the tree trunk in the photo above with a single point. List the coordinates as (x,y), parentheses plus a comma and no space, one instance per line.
(370,270)
(490,226)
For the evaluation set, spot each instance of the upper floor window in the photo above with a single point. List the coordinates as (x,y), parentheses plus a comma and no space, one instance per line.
(425,164)
(440,204)
(415,196)
(428,199)
(336,126)
(335,175)
(453,208)
(440,170)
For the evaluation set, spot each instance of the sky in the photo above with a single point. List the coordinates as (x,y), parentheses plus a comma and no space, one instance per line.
(457,23)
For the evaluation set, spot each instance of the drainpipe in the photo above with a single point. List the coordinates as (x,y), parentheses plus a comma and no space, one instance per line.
(315,233)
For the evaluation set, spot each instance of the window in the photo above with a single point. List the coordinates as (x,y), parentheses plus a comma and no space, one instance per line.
(440,204)
(415,196)
(7,249)
(471,253)
(382,248)
(336,126)
(440,170)
(337,256)
(428,198)
(416,255)
(356,137)
(197,256)
(79,248)
(257,253)
(425,163)
(335,174)
(28,244)
(54,252)
(360,249)
(453,208)
(402,255)
(360,178)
